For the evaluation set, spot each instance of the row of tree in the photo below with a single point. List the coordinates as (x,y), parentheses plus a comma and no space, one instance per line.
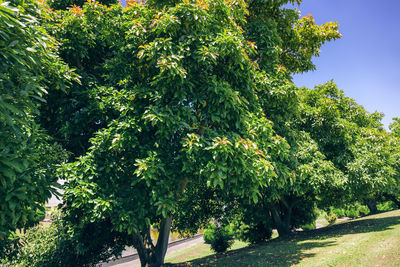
(168,114)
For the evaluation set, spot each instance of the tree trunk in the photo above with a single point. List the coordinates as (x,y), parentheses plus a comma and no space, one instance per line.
(283,226)
(150,255)
(371,203)
(142,250)
(162,241)
(287,216)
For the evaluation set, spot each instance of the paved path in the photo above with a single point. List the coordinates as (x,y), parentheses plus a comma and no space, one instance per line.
(131,258)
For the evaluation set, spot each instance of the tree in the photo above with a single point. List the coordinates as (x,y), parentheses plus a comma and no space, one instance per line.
(285,39)
(27,154)
(395,127)
(73,115)
(307,178)
(102,53)
(352,138)
(89,44)
(286,44)
(314,182)
(179,85)
(372,173)
(393,190)
(310,181)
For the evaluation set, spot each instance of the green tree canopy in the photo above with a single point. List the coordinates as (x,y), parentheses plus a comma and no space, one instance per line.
(372,172)
(353,139)
(27,155)
(180,86)
(284,38)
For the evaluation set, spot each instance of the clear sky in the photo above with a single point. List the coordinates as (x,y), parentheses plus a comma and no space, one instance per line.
(365,62)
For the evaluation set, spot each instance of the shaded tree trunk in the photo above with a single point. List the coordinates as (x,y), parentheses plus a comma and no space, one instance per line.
(162,241)
(282,220)
(150,255)
(371,203)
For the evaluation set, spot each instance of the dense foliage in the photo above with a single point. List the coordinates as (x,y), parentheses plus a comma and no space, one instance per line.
(52,244)
(29,67)
(355,141)
(185,112)
(285,39)
(179,105)
(219,237)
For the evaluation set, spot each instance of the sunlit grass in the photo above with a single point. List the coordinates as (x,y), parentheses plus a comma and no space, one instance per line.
(369,241)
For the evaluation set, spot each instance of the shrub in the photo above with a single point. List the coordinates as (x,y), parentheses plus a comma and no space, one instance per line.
(331,217)
(353,210)
(36,243)
(255,233)
(9,247)
(252,225)
(303,214)
(339,212)
(386,206)
(363,210)
(309,226)
(57,244)
(352,213)
(219,237)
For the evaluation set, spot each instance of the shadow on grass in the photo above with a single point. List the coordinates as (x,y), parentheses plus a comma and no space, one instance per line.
(273,253)
(362,225)
(290,251)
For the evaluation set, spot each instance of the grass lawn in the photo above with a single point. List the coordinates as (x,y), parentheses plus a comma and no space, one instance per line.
(198,251)
(369,241)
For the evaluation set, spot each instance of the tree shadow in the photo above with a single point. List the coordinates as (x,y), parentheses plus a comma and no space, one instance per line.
(290,251)
(357,226)
(272,253)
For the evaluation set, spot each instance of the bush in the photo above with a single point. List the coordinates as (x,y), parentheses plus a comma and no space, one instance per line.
(309,226)
(321,214)
(36,243)
(352,211)
(9,247)
(331,217)
(58,244)
(255,233)
(251,224)
(304,214)
(355,210)
(219,237)
(363,210)
(386,206)
(339,212)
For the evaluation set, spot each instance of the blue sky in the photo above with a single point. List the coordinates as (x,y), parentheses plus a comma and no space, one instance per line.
(365,62)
